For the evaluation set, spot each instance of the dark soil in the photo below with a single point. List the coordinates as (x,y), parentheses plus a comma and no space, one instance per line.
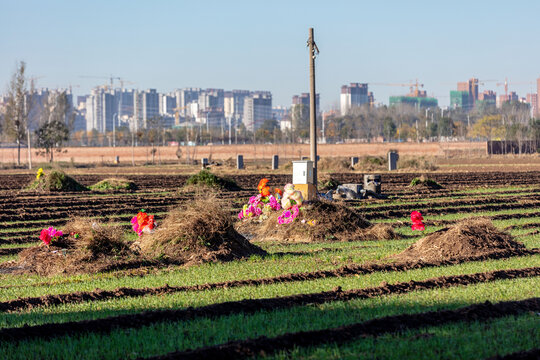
(388,324)
(10,251)
(98,294)
(466,238)
(391,181)
(250,306)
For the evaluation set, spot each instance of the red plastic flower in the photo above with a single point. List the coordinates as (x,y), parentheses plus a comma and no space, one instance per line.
(418,226)
(417,223)
(416,216)
(45,236)
(49,235)
(143,222)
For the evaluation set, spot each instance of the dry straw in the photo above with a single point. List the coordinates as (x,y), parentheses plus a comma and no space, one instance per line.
(200,231)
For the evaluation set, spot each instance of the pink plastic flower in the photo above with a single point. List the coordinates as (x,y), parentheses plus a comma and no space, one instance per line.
(285,218)
(288,216)
(274,204)
(49,235)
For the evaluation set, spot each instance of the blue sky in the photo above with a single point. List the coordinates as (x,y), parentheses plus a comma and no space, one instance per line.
(258,45)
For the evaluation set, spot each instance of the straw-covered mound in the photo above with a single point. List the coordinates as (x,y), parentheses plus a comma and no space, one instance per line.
(322,221)
(473,237)
(114,185)
(424,181)
(201,231)
(56,180)
(97,247)
(207,179)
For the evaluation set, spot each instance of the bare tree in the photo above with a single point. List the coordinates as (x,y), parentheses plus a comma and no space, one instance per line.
(54,129)
(19,104)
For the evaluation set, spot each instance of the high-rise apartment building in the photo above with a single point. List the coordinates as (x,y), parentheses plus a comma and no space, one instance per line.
(486,100)
(532,100)
(167,104)
(354,95)
(185,98)
(211,99)
(234,104)
(537,113)
(510,97)
(303,99)
(150,105)
(100,110)
(257,109)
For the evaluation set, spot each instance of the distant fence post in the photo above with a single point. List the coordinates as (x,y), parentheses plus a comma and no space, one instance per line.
(392,160)
(239,162)
(275,162)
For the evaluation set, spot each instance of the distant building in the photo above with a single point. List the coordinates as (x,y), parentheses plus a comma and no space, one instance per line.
(416,98)
(486,100)
(471,87)
(511,97)
(184,98)
(466,95)
(167,104)
(257,109)
(300,109)
(532,99)
(100,108)
(303,99)
(354,95)
(279,113)
(537,113)
(211,117)
(234,105)
(460,100)
(211,99)
(150,105)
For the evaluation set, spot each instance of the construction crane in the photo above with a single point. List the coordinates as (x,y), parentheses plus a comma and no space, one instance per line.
(111,80)
(506,83)
(177,114)
(413,86)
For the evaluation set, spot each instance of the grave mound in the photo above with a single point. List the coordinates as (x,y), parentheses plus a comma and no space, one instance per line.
(474,237)
(201,231)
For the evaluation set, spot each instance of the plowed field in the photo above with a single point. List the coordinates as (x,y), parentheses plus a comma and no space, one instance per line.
(303,300)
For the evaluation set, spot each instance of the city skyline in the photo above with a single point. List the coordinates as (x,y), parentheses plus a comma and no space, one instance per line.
(243,45)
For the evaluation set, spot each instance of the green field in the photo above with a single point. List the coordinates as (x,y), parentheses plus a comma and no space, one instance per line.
(453,340)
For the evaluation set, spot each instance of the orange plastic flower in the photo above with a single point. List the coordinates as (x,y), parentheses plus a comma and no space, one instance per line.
(264,190)
(262,184)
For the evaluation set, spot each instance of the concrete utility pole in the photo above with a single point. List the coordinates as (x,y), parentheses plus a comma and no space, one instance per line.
(29,149)
(313,51)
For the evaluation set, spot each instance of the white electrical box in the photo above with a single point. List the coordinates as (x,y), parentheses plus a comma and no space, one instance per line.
(302,172)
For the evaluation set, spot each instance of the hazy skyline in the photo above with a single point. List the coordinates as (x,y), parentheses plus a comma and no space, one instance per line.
(261,46)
